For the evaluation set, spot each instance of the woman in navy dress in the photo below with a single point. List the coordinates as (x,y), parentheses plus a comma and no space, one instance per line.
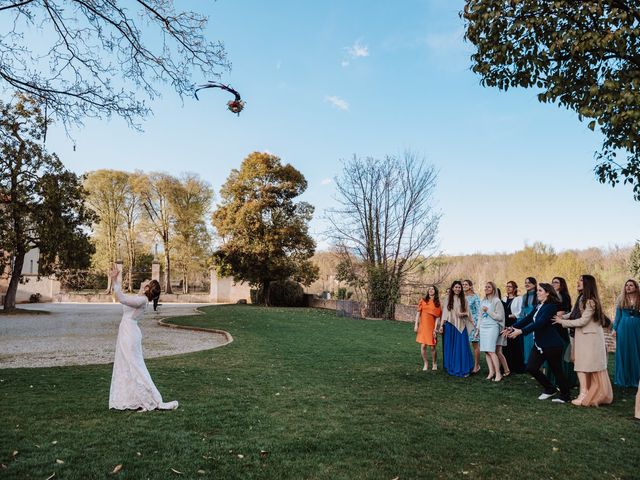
(547,343)
(457,323)
(626,330)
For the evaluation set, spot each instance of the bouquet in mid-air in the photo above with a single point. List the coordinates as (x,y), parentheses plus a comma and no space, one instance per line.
(236,105)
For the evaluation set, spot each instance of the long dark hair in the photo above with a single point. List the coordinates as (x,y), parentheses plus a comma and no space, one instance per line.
(590,292)
(553,296)
(565,296)
(154,290)
(463,300)
(436,296)
(526,295)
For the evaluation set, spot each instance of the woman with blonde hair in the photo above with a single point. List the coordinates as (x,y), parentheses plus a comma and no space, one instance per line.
(456,324)
(490,324)
(626,330)
(591,351)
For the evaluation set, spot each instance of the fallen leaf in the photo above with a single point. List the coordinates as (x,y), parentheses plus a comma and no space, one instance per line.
(201,472)
(555,449)
(14,453)
(264,453)
(59,462)
(623,439)
(464,472)
(3,466)
(240,455)
(396,478)
(176,471)
(51,476)
(117,468)
(139,454)
(554,439)
(54,442)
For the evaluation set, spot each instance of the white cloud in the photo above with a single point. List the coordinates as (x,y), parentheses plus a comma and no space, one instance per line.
(326,181)
(337,102)
(357,50)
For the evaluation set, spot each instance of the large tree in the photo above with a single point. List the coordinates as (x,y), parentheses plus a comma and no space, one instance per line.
(95,58)
(385,226)
(190,204)
(264,231)
(584,56)
(107,191)
(41,203)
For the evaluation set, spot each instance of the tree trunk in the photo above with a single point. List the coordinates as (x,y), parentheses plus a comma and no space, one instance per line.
(167,272)
(265,292)
(16,272)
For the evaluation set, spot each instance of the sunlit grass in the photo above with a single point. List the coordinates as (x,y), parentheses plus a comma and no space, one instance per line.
(305,394)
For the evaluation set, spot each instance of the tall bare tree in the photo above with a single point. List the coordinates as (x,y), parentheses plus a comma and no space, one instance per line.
(157,190)
(190,204)
(385,225)
(100,58)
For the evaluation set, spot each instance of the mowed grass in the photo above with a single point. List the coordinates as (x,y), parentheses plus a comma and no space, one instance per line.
(303,394)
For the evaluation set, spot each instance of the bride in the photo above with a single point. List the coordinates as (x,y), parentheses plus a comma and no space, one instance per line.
(131,384)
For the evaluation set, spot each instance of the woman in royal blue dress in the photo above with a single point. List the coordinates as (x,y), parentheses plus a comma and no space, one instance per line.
(626,330)
(529,303)
(457,324)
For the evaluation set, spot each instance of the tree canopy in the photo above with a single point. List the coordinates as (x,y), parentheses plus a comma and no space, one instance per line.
(264,231)
(42,205)
(584,56)
(84,58)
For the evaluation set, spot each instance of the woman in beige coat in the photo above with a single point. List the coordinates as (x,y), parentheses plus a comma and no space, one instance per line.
(590,348)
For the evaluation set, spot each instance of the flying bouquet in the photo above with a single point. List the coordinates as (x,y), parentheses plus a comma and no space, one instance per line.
(236,105)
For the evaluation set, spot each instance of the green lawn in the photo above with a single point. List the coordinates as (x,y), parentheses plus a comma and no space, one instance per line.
(321,397)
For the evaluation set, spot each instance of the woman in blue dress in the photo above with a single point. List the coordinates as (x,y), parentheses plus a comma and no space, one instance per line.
(490,325)
(626,330)
(529,303)
(457,324)
(473,301)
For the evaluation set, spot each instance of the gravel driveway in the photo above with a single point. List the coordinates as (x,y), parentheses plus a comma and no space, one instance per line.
(85,333)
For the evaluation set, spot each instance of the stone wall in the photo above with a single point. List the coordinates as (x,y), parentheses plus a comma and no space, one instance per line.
(225,290)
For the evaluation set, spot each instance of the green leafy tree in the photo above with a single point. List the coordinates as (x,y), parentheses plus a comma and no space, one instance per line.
(103,57)
(584,56)
(264,231)
(42,205)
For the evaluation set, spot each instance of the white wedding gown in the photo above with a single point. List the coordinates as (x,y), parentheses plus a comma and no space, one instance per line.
(131,384)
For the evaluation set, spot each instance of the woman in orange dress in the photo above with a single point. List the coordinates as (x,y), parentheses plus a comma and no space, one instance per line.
(427,317)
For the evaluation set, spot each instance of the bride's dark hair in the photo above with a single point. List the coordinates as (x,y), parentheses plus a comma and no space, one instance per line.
(154,290)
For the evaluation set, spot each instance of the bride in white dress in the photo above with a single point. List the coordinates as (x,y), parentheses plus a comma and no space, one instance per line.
(131,384)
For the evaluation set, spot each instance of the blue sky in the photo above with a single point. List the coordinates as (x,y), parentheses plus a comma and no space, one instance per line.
(326,80)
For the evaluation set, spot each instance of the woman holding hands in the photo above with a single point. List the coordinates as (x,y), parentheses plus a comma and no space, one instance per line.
(490,324)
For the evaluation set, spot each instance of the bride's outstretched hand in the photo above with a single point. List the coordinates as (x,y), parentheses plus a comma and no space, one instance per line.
(113,274)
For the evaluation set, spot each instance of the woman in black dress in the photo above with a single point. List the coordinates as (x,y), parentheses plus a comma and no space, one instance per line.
(514,350)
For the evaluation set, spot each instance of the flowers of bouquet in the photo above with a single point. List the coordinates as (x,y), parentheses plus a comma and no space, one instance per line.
(235,106)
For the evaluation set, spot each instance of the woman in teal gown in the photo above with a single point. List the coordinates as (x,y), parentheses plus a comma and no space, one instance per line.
(529,303)
(626,330)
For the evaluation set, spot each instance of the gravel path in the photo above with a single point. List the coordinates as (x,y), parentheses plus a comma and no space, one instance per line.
(82,333)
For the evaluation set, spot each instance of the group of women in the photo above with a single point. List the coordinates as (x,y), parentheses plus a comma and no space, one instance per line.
(539,332)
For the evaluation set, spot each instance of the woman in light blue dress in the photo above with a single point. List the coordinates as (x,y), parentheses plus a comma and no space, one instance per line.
(473,301)
(626,330)
(490,325)
(529,303)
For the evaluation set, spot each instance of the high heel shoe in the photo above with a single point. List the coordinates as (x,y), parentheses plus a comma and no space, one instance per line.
(578,400)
